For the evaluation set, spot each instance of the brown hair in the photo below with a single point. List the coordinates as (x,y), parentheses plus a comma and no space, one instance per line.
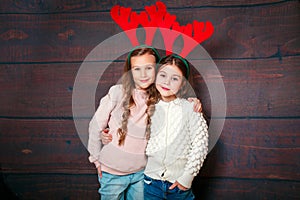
(184,67)
(185,90)
(128,87)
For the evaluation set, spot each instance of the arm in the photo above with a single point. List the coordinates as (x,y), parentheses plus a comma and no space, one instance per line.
(198,132)
(99,122)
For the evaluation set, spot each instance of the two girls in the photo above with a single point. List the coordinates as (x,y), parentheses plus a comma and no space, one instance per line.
(125,110)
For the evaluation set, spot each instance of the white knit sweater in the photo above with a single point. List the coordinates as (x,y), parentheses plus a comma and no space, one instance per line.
(178,143)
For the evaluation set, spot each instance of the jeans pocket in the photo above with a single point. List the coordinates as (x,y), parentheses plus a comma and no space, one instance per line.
(147,180)
(106,177)
(174,190)
(177,190)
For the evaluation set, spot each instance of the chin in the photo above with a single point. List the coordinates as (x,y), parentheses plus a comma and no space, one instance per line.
(164,94)
(145,86)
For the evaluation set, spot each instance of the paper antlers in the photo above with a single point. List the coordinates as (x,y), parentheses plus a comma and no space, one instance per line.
(156,16)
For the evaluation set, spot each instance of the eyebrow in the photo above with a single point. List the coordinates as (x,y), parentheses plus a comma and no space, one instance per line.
(177,76)
(171,75)
(148,64)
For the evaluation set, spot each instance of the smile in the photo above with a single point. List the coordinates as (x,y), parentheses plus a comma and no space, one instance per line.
(164,88)
(145,81)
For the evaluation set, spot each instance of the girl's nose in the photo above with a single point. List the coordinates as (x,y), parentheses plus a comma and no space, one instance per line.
(167,81)
(143,73)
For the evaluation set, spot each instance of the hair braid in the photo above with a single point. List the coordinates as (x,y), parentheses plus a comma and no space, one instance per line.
(123,130)
(152,100)
(127,103)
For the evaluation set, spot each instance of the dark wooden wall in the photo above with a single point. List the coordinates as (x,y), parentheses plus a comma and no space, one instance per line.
(256,46)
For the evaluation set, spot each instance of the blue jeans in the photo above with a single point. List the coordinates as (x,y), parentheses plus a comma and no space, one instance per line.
(115,187)
(158,189)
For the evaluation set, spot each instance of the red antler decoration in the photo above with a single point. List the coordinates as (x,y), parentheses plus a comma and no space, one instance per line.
(157,16)
(201,32)
(126,20)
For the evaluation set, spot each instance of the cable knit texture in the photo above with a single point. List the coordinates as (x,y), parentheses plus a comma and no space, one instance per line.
(127,158)
(178,143)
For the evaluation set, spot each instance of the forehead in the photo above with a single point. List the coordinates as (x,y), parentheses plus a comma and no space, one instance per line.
(142,60)
(170,69)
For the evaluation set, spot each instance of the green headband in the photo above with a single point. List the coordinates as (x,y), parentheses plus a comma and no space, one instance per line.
(140,47)
(183,60)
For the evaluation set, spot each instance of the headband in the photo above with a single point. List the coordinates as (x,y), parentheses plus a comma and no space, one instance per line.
(140,47)
(182,59)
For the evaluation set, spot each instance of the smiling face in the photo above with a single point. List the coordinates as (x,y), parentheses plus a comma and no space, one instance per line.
(169,80)
(143,70)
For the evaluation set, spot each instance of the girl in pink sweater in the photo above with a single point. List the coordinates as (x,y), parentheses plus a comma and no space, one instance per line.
(120,164)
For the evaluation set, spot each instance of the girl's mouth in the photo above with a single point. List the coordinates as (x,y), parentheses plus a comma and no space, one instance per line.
(145,81)
(164,88)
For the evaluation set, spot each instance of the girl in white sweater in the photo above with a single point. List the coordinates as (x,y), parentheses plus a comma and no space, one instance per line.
(178,141)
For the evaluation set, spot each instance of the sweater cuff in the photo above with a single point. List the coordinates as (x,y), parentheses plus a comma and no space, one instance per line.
(92,159)
(97,164)
(186,179)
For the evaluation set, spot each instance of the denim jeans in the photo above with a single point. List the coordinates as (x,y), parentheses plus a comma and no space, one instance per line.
(158,189)
(115,187)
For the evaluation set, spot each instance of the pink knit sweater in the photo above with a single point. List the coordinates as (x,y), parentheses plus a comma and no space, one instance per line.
(115,159)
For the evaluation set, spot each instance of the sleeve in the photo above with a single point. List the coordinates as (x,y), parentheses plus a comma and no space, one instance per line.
(100,122)
(198,132)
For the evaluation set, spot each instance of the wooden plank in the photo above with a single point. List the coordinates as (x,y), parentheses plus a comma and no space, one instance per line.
(244,32)
(57,6)
(52,37)
(266,148)
(248,189)
(42,145)
(65,186)
(45,90)
(257,87)
(5,191)
(252,147)
(254,88)
(53,186)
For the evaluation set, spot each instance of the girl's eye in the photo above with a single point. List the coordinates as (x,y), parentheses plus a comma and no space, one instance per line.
(136,69)
(149,68)
(162,75)
(175,79)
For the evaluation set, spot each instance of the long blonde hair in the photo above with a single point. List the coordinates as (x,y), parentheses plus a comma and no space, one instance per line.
(129,86)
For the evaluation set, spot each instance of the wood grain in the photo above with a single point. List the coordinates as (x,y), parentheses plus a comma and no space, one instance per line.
(256,149)
(53,186)
(239,33)
(255,46)
(48,6)
(254,88)
(74,186)
(246,149)
(248,189)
